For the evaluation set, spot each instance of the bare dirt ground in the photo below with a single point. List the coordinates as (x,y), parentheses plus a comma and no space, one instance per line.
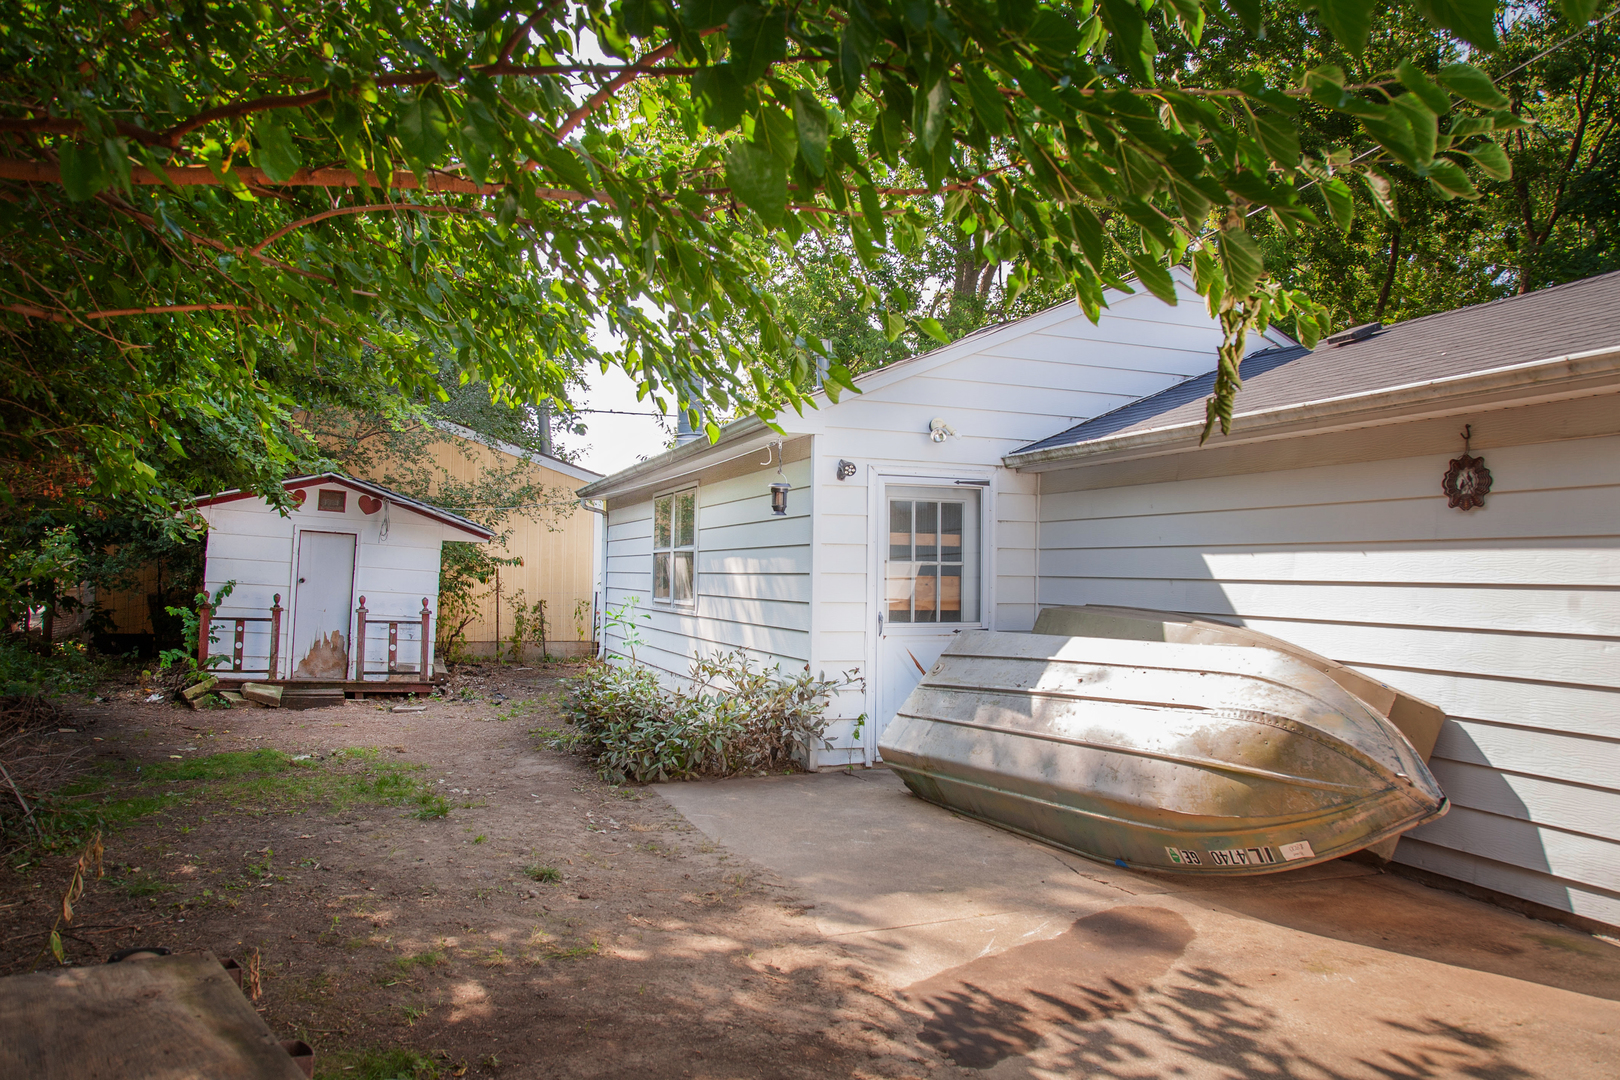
(653,953)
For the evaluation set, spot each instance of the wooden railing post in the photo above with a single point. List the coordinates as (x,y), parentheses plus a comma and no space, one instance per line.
(360,642)
(238,643)
(275,636)
(425,671)
(204,618)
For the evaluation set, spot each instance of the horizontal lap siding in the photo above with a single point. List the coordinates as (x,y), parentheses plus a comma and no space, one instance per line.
(1507,617)
(753,577)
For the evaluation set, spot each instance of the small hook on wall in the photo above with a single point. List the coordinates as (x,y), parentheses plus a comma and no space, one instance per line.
(1467,435)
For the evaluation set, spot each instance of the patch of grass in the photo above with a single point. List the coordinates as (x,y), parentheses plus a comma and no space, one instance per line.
(407,964)
(543,873)
(480,838)
(138,886)
(258,781)
(375,1065)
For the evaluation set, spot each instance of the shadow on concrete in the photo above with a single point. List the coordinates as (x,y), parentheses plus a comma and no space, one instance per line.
(1005,1004)
(1201,1022)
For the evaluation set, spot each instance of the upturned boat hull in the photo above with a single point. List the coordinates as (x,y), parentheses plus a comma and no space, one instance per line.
(1193,758)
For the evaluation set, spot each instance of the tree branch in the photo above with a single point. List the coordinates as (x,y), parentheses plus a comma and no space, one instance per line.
(176,309)
(343,211)
(614,85)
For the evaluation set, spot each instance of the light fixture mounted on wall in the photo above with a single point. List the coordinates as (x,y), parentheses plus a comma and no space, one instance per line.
(939,430)
(846,469)
(779,489)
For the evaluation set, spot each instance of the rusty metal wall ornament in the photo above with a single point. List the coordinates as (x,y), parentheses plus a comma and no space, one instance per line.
(1468,481)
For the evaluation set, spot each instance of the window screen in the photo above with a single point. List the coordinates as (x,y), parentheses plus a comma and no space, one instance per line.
(674,547)
(332,500)
(932,571)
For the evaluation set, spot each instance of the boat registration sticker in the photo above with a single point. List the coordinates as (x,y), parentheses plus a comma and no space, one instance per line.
(1183,857)
(1243,856)
(1301,850)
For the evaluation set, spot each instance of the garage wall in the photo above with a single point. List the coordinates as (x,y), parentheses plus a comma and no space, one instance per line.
(1507,617)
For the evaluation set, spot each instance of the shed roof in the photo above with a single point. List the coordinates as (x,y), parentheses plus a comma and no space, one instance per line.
(1560,321)
(365,487)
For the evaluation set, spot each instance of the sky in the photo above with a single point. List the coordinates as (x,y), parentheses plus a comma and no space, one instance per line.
(614,442)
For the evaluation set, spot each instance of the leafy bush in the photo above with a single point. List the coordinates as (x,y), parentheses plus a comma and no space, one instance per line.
(733,719)
(68,668)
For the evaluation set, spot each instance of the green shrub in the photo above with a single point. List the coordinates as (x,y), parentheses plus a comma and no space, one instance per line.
(731,719)
(68,668)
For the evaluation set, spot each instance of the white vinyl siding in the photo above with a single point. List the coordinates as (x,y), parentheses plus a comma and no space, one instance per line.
(250,543)
(752,579)
(1507,617)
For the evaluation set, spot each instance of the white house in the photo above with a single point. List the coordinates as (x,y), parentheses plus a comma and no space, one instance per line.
(901,525)
(1320,519)
(300,579)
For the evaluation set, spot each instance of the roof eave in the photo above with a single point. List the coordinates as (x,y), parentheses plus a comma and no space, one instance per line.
(653,469)
(427,510)
(1572,375)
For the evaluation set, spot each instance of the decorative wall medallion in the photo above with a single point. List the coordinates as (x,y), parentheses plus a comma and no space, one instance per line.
(1468,481)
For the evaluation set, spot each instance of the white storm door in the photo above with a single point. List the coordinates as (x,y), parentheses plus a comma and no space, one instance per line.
(930,583)
(323,603)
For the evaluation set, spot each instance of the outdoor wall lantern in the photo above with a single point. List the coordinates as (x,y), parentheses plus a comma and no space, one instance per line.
(939,430)
(779,489)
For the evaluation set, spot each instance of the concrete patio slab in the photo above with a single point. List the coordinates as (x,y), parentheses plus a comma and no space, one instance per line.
(1019,960)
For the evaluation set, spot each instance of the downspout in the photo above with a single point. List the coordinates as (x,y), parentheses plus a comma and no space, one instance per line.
(600,608)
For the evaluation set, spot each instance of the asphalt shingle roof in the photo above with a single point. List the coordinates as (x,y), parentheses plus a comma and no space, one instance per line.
(1553,322)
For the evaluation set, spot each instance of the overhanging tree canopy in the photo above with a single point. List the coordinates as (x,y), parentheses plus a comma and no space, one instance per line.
(203,204)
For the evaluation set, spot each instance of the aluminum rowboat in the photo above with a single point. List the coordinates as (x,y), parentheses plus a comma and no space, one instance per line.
(1197,758)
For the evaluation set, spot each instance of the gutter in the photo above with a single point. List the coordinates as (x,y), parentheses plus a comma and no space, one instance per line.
(600,630)
(1573,375)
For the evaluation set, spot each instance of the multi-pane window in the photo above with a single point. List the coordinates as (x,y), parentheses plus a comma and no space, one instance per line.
(932,571)
(674,547)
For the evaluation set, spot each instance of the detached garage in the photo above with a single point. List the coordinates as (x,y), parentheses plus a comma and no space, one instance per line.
(342,590)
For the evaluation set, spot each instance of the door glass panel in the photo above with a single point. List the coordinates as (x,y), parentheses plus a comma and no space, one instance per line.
(950,532)
(900,529)
(932,572)
(927,515)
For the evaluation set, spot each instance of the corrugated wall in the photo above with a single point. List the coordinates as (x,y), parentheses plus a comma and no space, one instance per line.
(556,553)
(1506,617)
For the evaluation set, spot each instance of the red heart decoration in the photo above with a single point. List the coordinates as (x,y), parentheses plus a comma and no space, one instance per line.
(299,496)
(368,505)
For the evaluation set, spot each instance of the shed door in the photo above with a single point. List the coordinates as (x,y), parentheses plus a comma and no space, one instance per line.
(323,602)
(930,581)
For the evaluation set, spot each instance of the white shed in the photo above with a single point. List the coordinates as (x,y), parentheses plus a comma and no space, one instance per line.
(1321,519)
(901,525)
(354,561)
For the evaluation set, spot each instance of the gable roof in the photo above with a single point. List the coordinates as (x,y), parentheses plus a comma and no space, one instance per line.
(748,433)
(1542,327)
(377,491)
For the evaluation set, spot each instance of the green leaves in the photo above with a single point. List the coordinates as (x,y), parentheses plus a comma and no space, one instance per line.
(423,130)
(1472,20)
(1341,203)
(1579,12)
(276,154)
(758,38)
(1133,44)
(1240,256)
(83,174)
(721,96)
(759,178)
(987,101)
(810,122)
(1349,21)
(1472,85)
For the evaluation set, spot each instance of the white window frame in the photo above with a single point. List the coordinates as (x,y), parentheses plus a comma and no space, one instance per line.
(671,549)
